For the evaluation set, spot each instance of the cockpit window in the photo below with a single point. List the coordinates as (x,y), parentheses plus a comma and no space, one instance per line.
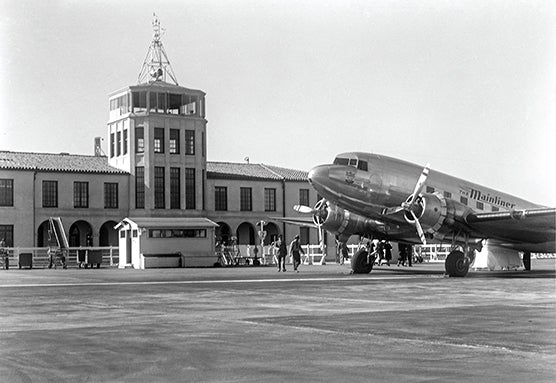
(341,161)
(362,165)
(353,162)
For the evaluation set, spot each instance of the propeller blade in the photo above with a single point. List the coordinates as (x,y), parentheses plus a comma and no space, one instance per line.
(420,184)
(419,228)
(304,209)
(392,210)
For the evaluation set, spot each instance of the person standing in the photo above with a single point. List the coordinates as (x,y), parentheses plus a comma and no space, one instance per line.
(4,254)
(387,252)
(282,252)
(295,252)
(402,250)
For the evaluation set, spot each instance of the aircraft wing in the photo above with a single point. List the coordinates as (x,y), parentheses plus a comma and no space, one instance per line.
(299,221)
(527,226)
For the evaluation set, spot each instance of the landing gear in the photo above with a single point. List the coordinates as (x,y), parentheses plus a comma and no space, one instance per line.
(457,264)
(361,263)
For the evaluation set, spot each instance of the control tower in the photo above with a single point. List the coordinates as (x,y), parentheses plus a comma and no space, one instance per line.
(157,132)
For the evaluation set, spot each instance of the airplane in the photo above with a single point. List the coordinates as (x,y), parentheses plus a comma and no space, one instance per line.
(381,197)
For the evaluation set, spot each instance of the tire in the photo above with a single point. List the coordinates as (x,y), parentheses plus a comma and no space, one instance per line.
(457,265)
(360,264)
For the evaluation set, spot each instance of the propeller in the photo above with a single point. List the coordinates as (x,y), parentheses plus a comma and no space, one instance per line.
(409,204)
(318,216)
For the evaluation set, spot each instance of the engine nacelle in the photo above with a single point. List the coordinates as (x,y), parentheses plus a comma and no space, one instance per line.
(434,213)
(345,223)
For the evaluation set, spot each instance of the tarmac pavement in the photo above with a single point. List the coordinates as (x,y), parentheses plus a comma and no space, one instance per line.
(253,324)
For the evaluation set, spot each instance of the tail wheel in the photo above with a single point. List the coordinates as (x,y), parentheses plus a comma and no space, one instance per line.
(457,264)
(360,263)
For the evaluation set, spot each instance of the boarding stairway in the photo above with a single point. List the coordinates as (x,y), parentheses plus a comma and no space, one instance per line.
(58,246)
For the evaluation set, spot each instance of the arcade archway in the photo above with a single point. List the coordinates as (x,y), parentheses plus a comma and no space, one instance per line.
(108,236)
(272,232)
(223,233)
(80,234)
(245,234)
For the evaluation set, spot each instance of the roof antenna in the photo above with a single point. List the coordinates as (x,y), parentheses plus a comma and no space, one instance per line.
(156,64)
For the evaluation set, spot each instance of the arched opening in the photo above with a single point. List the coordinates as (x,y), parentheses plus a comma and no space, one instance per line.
(223,233)
(272,232)
(108,236)
(80,234)
(245,234)
(42,234)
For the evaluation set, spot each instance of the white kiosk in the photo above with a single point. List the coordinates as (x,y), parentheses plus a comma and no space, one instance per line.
(166,242)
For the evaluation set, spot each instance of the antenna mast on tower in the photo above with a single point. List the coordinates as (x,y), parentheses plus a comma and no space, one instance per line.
(156,65)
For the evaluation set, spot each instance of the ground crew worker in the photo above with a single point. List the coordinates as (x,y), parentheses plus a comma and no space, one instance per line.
(295,250)
(282,253)
(4,254)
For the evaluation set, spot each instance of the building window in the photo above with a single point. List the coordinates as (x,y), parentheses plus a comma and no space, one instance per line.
(220,198)
(159,140)
(190,142)
(6,192)
(203,145)
(304,235)
(139,187)
(447,194)
(125,142)
(139,139)
(480,205)
(112,145)
(269,199)
(190,188)
(245,199)
(7,232)
(174,141)
(159,202)
(49,193)
(430,189)
(110,195)
(495,208)
(463,200)
(118,143)
(139,100)
(175,187)
(304,197)
(80,194)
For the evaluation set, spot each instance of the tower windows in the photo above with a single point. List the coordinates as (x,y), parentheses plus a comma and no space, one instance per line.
(174,147)
(190,142)
(159,192)
(159,140)
(245,199)
(139,139)
(190,188)
(139,187)
(175,188)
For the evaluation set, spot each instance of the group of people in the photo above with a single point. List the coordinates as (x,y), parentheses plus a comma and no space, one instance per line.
(381,251)
(295,250)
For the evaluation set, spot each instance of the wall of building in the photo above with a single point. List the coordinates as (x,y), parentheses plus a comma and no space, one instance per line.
(20,215)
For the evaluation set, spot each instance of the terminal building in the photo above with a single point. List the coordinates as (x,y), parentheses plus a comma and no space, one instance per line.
(155,167)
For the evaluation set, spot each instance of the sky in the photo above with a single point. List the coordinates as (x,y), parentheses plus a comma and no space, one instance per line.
(467,86)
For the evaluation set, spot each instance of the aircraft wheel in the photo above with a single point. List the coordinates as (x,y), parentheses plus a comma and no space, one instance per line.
(360,264)
(457,265)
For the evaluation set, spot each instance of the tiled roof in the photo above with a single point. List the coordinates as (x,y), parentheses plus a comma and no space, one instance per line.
(73,163)
(253,171)
(77,163)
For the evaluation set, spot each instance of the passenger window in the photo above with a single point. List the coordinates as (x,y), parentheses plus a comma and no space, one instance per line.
(362,165)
